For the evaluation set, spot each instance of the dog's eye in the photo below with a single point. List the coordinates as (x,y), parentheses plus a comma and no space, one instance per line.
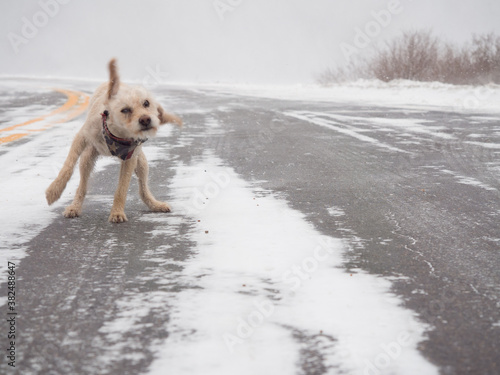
(146,104)
(126,110)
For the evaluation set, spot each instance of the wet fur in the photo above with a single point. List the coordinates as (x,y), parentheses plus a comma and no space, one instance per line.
(89,143)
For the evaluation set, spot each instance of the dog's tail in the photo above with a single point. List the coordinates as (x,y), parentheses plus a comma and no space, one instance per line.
(54,191)
(114,79)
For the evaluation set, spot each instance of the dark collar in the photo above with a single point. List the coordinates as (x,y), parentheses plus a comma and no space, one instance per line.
(122,147)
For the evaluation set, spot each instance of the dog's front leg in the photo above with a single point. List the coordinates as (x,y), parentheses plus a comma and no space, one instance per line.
(118,209)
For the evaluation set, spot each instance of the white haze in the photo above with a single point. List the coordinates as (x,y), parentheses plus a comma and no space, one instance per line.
(257,41)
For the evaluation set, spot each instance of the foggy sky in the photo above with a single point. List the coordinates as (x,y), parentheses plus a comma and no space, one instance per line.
(243,41)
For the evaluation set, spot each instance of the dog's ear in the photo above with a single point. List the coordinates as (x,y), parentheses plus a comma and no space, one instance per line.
(114,79)
(166,117)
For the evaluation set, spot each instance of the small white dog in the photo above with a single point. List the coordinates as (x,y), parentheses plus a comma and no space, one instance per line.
(120,119)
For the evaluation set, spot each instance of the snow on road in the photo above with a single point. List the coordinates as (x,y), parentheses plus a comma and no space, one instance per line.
(29,167)
(351,131)
(399,93)
(268,290)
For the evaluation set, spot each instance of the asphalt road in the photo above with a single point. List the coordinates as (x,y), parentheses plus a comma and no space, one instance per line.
(421,206)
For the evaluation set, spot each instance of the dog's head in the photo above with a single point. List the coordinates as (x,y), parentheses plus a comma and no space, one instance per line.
(133,110)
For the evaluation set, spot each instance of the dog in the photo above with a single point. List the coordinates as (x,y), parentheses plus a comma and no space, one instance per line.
(120,119)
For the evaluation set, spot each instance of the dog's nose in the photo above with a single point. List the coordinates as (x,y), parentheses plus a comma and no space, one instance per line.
(145,122)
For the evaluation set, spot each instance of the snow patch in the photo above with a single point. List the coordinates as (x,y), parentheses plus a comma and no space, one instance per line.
(398,93)
(31,167)
(266,286)
(345,129)
(494,146)
(406,124)
(335,212)
(469,180)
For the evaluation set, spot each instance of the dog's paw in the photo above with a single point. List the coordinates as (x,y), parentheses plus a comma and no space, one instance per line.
(52,194)
(118,217)
(71,212)
(160,207)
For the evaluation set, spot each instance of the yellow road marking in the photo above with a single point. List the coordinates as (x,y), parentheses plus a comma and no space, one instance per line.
(12,137)
(76,104)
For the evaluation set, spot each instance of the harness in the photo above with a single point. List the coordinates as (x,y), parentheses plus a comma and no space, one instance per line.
(122,147)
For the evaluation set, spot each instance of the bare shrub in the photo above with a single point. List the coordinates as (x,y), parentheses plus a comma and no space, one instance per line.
(454,65)
(420,56)
(412,56)
(485,56)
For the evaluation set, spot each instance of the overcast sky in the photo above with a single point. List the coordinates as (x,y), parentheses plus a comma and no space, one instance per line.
(244,41)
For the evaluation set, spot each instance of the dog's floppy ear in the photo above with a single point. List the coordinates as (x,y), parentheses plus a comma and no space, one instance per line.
(114,79)
(168,117)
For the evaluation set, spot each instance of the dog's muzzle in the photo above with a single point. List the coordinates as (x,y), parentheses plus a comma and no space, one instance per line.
(145,122)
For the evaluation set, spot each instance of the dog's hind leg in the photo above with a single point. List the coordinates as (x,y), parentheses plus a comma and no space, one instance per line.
(142,171)
(54,191)
(87,162)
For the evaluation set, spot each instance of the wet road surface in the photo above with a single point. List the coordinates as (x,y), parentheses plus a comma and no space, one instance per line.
(413,193)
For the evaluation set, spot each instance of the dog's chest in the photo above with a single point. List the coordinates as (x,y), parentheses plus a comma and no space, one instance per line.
(102,147)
